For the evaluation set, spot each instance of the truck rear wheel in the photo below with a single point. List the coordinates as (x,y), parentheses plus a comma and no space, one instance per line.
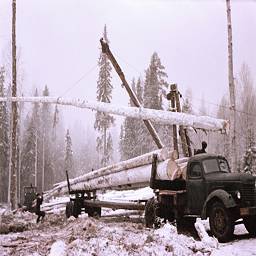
(69,209)
(151,218)
(250,224)
(221,222)
(94,212)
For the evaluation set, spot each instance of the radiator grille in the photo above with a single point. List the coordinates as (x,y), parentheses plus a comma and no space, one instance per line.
(248,194)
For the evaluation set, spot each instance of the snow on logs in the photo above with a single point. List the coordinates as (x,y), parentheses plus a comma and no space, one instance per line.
(132,173)
(158,116)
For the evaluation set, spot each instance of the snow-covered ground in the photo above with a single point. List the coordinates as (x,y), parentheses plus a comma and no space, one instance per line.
(117,232)
(115,235)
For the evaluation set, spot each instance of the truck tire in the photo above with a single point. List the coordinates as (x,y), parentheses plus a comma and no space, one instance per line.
(186,225)
(221,222)
(250,224)
(94,212)
(69,209)
(151,219)
(76,209)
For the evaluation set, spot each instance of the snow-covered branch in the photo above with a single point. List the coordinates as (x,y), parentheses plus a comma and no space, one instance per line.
(158,116)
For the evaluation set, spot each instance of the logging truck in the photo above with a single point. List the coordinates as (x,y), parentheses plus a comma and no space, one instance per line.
(209,190)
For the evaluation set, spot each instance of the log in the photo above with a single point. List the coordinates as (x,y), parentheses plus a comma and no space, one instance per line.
(97,176)
(114,205)
(132,178)
(158,116)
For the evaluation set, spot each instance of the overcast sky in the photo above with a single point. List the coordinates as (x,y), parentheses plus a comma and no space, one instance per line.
(59,42)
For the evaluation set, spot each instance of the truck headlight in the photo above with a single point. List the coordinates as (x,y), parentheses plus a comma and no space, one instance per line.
(238,194)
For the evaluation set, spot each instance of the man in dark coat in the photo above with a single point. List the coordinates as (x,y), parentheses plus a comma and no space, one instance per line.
(202,150)
(39,201)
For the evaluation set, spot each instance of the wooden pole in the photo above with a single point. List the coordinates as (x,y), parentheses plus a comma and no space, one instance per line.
(188,142)
(13,176)
(36,146)
(174,127)
(151,129)
(231,92)
(181,127)
(43,160)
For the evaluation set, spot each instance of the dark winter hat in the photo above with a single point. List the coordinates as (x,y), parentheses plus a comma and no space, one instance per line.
(204,144)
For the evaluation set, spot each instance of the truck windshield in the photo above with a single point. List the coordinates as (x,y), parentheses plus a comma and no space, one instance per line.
(215,165)
(223,165)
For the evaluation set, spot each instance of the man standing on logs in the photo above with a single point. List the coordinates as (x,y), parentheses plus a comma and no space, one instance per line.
(202,150)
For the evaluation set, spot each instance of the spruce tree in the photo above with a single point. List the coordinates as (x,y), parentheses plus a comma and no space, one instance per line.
(58,146)
(139,126)
(154,91)
(4,142)
(47,175)
(128,141)
(222,141)
(187,104)
(103,121)
(30,151)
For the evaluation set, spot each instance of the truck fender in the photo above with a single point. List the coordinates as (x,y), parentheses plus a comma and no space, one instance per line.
(220,195)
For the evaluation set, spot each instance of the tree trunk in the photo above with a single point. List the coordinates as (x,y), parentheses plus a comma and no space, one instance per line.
(36,142)
(13,176)
(104,147)
(231,92)
(43,160)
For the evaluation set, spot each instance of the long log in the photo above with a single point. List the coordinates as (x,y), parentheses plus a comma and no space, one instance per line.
(114,205)
(158,116)
(142,160)
(131,178)
(145,159)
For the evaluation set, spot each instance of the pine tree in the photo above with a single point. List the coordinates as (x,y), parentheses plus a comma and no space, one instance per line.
(154,91)
(4,142)
(30,151)
(47,175)
(222,140)
(139,126)
(129,134)
(187,105)
(249,161)
(69,162)
(103,121)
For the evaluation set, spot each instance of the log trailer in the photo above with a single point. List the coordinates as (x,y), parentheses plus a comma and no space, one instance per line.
(86,201)
(209,190)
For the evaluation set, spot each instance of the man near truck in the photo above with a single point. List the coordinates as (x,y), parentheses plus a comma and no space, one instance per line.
(39,213)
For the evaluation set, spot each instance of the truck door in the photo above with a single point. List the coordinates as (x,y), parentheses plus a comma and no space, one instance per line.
(195,188)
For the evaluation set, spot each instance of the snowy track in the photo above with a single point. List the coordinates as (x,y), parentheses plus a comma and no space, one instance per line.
(113,236)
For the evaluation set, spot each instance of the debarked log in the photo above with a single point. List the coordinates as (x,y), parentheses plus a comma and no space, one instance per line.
(97,176)
(131,178)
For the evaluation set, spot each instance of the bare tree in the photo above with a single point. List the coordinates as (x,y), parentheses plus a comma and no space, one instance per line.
(13,174)
(231,92)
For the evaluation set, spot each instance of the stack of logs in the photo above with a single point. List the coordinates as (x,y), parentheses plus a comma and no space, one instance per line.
(129,174)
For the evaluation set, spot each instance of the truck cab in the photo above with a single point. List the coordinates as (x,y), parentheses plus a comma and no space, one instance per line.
(210,190)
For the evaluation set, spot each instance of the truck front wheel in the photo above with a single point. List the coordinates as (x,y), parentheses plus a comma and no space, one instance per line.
(250,224)
(151,218)
(221,222)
